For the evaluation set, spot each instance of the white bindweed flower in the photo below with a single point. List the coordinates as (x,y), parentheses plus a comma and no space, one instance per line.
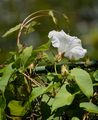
(69,45)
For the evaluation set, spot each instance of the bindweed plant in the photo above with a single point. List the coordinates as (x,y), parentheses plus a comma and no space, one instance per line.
(37,84)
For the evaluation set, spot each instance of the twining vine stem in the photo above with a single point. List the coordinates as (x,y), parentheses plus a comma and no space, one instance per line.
(33,16)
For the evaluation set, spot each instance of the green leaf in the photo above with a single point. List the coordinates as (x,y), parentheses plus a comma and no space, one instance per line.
(52,85)
(90,107)
(50,76)
(2,107)
(51,56)
(16,108)
(30,27)
(40,90)
(83,80)
(62,98)
(43,47)
(47,99)
(51,117)
(53,17)
(10,31)
(36,92)
(2,70)
(8,71)
(25,55)
(95,75)
(75,118)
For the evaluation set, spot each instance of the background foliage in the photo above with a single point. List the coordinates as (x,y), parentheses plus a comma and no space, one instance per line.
(82,14)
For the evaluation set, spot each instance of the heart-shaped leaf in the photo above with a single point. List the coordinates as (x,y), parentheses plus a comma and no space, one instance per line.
(83,80)
(62,98)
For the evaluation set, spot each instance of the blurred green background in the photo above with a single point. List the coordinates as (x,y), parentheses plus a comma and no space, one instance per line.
(83,22)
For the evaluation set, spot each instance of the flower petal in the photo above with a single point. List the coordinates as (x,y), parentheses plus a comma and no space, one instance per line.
(70,45)
(76,53)
(55,37)
(55,42)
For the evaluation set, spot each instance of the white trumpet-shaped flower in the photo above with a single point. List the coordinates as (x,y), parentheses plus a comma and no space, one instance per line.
(69,45)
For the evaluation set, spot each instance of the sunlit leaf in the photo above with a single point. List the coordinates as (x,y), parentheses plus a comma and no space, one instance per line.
(75,118)
(83,80)
(51,117)
(43,47)
(51,86)
(10,31)
(36,92)
(50,76)
(41,90)
(53,17)
(25,55)
(16,108)
(47,99)
(30,27)
(95,75)
(62,98)
(8,71)
(90,107)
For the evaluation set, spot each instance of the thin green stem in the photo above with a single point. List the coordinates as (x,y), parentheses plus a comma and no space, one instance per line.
(77,92)
(55,68)
(23,25)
